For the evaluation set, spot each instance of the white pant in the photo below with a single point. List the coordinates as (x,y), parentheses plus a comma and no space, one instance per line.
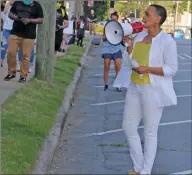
(140,103)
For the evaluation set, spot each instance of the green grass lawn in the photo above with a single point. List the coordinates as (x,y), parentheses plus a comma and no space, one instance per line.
(30,112)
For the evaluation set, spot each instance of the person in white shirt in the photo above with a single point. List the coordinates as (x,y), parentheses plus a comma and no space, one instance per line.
(7,26)
(2,21)
(151,88)
(2,11)
(80,31)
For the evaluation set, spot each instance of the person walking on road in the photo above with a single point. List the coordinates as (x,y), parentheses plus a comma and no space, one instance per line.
(111,53)
(154,57)
(26,15)
(92,22)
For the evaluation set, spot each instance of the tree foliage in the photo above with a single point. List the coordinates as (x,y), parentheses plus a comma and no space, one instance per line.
(101,9)
(126,7)
(183,7)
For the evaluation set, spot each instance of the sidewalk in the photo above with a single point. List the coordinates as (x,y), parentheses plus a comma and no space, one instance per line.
(8,87)
(93,141)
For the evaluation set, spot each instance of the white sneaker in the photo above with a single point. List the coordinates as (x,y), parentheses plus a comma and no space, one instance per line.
(30,70)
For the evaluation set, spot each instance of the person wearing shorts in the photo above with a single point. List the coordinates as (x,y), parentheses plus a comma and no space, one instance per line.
(111,53)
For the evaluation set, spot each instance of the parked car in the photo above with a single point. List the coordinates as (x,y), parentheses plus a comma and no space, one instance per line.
(178,34)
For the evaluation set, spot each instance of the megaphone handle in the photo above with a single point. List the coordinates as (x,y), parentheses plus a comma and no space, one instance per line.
(126,44)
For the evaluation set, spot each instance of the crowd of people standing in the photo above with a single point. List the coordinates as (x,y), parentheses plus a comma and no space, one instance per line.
(19,26)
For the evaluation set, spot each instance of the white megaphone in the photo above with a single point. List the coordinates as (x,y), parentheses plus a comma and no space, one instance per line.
(115,32)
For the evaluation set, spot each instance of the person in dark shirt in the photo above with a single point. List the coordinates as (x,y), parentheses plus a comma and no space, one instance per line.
(26,15)
(74,19)
(59,30)
(66,24)
(65,13)
(60,25)
(80,31)
(92,22)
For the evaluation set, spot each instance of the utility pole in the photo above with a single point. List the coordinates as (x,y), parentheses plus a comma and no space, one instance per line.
(112,5)
(188,11)
(0,28)
(46,42)
(175,16)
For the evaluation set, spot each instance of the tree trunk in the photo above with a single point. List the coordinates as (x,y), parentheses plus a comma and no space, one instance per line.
(46,42)
(0,33)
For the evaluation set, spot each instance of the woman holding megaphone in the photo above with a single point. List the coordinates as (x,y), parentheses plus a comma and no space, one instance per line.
(111,52)
(153,54)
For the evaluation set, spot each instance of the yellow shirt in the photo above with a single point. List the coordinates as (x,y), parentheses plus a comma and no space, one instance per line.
(141,55)
(58,5)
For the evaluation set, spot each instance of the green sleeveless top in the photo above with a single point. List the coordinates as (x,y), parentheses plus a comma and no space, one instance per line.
(141,55)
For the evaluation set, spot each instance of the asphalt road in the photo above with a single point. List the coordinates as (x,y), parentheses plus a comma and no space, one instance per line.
(93,141)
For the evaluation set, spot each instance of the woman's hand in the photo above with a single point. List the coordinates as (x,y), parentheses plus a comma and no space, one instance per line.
(151,70)
(6,7)
(141,69)
(130,43)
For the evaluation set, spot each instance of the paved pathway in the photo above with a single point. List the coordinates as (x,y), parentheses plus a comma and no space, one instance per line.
(8,87)
(93,141)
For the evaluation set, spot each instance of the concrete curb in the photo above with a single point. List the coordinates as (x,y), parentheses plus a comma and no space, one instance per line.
(46,155)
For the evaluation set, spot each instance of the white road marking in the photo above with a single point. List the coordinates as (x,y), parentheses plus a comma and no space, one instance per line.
(181,96)
(184,172)
(98,86)
(106,103)
(112,66)
(187,56)
(102,74)
(181,70)
(140,127)
(183,58)
(184,70)
(185,63)
(178,81)
(122,101)
(175,81)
